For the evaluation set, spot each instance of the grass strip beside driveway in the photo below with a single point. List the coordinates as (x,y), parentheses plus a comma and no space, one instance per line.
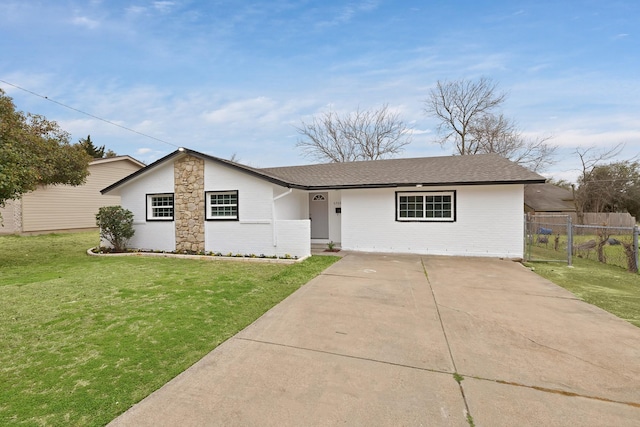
(609,287)
(83,338)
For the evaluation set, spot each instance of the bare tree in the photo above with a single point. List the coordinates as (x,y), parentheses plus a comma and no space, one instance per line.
(589,189)
(498,134)
(459,105)
(361,135)
(491,133)
(467,111)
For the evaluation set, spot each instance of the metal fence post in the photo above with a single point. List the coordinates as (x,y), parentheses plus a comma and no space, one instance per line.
(569,241)
(525,248)
(636,231)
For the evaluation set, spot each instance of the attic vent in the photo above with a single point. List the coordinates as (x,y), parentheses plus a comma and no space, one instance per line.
(318,198)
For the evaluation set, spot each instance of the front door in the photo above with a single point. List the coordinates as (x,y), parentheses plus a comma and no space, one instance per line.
(319,215)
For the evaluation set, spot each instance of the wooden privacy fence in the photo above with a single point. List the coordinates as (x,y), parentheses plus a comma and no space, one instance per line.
(612,219)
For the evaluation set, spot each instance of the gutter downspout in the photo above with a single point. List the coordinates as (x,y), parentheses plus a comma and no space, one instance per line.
(273,214)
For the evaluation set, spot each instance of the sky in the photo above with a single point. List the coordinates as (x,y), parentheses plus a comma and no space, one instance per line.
(235,78)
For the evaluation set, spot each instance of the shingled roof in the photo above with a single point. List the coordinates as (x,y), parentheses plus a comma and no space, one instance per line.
(436,171)
(548,198)
(428,171)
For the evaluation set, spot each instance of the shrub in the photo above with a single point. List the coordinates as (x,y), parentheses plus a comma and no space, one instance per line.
(116,226)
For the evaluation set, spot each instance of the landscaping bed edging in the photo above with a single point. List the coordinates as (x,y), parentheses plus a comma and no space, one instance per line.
(91,252)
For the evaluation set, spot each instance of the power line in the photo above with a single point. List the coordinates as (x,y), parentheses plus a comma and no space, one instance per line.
(88,114)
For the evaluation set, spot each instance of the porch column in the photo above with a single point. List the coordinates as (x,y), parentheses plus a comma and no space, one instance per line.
(188,202)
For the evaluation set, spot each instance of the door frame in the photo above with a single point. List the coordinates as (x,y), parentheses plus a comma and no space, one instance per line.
(325,213)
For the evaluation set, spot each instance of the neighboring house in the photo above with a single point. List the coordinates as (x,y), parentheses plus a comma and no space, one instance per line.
(65,207)
(458,205)
(548,199)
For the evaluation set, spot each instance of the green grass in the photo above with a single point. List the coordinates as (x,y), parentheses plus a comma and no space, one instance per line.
(83,338)
(609,287)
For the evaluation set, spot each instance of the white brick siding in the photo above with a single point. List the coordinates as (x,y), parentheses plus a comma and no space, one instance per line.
(290,237)
(291,206)
(253,233)
(156,235)
(488,223)
(488,218)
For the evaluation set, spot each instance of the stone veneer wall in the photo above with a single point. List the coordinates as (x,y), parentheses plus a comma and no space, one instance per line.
(188,200)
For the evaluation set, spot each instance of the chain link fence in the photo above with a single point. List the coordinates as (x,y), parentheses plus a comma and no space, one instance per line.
(547,238)
(554,238)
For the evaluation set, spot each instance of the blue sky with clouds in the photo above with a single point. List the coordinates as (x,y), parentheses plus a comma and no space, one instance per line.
(226,77)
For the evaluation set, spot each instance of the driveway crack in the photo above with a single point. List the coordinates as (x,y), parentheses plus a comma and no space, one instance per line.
(368,359)
(555,391)
(540,344)
(458,378)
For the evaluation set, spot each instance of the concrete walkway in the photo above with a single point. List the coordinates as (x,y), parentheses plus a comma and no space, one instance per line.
(374,341)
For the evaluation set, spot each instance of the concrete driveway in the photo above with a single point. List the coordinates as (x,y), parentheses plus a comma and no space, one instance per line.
(376,341)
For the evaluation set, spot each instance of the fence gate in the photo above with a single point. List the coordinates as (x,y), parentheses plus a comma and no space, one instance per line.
(548,238)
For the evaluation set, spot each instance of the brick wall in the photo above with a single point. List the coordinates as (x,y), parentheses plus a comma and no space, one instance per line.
(489,222)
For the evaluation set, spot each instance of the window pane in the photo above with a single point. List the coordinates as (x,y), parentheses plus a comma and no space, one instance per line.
(162,201)
(161,206)
(410,207)
(438,206)
(425,206)
(223,205)
(163,212)
(224,211)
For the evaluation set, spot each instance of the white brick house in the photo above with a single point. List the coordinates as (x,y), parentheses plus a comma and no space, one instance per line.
(456,205)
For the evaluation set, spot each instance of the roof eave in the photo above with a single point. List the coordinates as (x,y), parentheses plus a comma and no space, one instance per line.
(286,184)
(185,151)
(126,157)
(418,184)
(246,169)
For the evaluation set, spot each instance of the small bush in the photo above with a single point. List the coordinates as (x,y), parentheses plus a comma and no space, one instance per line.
(116,226)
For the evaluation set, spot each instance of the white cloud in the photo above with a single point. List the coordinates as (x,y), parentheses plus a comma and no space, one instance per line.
(419,131)
(591,137)
(135,10)
(83,21)
(240,111)
(158,6)
(149,155)
(346,14)
(259,110)
(491,62)
(538,67)
(163,6)
(81,127)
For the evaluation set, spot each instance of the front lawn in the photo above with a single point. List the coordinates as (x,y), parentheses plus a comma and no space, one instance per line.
(84,338)
(609,287)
